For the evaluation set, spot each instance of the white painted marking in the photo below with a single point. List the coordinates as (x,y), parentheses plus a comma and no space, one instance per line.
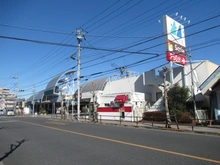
(7,122)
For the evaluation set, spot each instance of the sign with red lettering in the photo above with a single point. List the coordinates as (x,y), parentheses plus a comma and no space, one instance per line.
(172,56)
(176,48)
(174,41)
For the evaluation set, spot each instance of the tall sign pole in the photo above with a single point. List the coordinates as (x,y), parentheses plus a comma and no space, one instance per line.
(193,86)
(80,35)
(175,43)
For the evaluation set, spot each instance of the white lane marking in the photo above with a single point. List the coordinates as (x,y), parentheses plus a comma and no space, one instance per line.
(8,121)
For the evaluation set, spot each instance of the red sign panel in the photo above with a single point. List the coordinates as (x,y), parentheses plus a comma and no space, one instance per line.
(171,56)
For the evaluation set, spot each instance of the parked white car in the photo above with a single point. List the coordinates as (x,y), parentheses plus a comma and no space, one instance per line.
(1,112)
(10,112)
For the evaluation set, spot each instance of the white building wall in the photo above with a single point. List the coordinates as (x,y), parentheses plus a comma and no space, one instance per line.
(120,86)
(106,99)
(201,72)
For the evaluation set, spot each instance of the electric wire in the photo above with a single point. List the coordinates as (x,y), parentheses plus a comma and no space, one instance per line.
(100,13)
(107,21)
(94,49)
(105,16)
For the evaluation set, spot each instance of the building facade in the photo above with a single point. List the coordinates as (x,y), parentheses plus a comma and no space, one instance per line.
(129,95)
(7,99)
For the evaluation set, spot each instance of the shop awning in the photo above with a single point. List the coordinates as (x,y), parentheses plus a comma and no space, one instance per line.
(120,99)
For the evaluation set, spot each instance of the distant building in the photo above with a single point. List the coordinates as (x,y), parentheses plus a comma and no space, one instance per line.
(7,99)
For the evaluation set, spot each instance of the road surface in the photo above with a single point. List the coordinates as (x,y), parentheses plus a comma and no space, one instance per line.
(35,140)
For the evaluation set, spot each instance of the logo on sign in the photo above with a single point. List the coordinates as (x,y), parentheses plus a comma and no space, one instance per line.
(176,31)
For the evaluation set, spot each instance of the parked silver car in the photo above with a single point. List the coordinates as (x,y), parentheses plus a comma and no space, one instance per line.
(1,112)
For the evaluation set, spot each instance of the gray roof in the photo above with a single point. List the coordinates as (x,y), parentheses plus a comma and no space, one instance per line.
(30,98)
(51,85)
(95,85)
(38,96)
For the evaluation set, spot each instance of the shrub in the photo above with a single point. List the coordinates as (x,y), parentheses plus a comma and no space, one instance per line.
(156,116)
(184,117)
(43,112)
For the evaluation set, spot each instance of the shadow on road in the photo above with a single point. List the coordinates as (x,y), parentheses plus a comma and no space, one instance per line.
(13,147)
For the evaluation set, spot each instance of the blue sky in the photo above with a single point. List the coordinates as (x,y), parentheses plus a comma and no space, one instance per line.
(111,25)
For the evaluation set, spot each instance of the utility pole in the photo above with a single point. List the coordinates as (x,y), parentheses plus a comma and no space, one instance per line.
(171,73)
(168,120)
(95,117)
(80,35)
(33,98)
(62,110)
(16,89)
(73,98)
(193,86)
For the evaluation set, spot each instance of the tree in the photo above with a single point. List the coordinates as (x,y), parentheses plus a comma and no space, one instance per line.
(164,85)
(177,98)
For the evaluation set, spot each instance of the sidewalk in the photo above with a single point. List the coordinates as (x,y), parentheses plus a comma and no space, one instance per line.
(213,129)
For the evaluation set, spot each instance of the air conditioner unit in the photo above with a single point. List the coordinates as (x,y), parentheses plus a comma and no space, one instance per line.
(113,104)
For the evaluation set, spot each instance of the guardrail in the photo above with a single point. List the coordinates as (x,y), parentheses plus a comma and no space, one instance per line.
(100,118)
(131,119)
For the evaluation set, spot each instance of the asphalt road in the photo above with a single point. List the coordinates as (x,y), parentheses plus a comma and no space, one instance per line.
(34,141)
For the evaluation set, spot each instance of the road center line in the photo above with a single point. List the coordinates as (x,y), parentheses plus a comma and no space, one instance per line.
(126,143)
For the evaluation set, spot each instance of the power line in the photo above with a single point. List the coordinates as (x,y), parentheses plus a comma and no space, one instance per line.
(102,49)
(104,17)
(107,49)
(116,15)
(34,29)
(70,45)
(128,66)
(95,49)
(101,13)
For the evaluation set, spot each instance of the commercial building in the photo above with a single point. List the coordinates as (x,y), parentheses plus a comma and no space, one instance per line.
(127,95)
